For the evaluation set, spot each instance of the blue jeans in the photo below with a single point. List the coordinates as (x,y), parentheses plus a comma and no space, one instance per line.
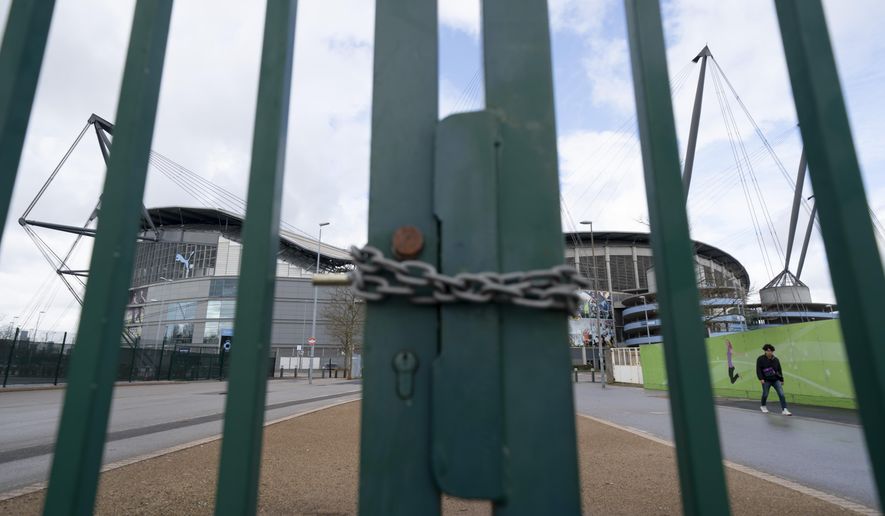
(779,388)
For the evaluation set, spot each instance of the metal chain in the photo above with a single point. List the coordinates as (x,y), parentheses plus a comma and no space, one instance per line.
(376,277)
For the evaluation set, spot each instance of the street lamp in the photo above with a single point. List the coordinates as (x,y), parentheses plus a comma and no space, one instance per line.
(313,323)
(595,294)
(645,311)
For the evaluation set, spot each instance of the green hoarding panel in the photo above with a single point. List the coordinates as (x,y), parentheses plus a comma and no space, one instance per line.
(812,355)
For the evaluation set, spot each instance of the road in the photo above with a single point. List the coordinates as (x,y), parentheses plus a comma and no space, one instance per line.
(819,448)
(144,419)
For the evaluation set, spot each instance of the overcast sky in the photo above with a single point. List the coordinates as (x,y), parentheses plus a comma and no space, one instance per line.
(207,104)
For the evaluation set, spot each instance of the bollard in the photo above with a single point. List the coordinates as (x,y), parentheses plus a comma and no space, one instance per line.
(593,374)
(281,371)
(296,373)
(576,375)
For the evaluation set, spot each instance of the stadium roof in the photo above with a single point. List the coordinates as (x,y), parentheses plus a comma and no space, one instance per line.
(631,238)
(181,217)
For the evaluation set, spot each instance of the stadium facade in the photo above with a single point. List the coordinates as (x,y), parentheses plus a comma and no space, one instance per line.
(622,308)
(185,279)
(186,270)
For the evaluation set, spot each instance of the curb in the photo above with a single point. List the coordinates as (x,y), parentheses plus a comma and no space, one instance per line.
(62,386)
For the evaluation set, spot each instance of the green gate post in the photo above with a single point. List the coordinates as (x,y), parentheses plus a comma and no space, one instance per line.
(247,388)
(691,397)
(395,469)
(61,355)
(538,407)
(21,56)
(84,420)
(855,264)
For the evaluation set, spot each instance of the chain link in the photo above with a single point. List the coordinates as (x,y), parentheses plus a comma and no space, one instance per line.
(376,277)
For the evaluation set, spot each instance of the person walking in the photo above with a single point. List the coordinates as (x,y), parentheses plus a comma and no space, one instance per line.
(729,351)
(769,373)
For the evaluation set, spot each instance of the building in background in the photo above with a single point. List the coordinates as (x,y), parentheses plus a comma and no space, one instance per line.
(186,275)
(621,266)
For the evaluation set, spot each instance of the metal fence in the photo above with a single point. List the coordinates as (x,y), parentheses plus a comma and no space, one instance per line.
(34,362)
(483,181)
(45,363)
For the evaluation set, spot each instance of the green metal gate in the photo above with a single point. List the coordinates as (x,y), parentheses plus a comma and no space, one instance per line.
(484,182)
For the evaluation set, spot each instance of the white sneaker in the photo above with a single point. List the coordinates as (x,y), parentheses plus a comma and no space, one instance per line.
(786,412)
(764,409)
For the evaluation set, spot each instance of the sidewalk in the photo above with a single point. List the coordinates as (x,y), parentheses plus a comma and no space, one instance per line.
(310,466)
(817,447)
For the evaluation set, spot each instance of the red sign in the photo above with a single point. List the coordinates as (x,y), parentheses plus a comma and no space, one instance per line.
(311,341)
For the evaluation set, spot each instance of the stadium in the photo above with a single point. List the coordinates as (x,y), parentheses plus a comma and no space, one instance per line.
(184,283)
(622,308)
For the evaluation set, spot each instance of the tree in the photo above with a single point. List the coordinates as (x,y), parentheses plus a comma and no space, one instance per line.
(345,316)
(7,331)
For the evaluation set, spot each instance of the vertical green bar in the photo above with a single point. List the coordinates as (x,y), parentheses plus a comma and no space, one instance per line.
(691,397)
(247,389)
(395,466)
(538,407)
(21,57)
(84,419)
(854,260)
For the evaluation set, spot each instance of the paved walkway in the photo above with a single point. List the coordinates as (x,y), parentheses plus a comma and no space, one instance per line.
(819,448)
(144,419)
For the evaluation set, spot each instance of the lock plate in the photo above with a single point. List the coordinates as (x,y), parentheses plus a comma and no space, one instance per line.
(467,415)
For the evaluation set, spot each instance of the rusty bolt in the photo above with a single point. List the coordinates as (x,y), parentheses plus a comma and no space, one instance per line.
(407,243)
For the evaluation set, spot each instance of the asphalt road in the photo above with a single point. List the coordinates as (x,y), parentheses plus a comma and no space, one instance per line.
(819,448)
(144,419)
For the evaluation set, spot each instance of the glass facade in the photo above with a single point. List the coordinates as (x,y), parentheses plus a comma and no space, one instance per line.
(181,311)
(155,261)
(221,309)
(214,329)
(223,287)
(180,333)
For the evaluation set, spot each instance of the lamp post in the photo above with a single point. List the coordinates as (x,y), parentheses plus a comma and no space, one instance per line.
(313,323)
(645,311)
(578,269)
(596,293)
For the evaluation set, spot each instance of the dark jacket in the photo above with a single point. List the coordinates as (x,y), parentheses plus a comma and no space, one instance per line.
(769,369)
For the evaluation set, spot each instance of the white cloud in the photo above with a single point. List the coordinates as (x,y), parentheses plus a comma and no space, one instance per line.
(608,70)
(601,180)
(460,15)
(579,16)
